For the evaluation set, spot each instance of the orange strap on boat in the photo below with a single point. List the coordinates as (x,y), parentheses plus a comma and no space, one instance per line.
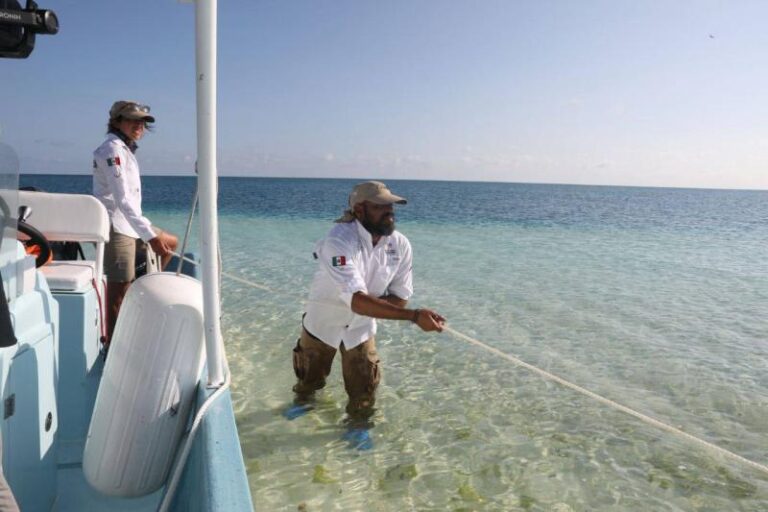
(34,250)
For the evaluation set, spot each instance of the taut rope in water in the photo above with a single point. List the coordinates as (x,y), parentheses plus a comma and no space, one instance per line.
(230,276)
(570,385)
(615,405)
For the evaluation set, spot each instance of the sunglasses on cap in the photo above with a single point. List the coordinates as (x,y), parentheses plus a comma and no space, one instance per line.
(135,107)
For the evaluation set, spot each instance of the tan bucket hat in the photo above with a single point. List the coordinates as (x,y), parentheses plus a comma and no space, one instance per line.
(130,110)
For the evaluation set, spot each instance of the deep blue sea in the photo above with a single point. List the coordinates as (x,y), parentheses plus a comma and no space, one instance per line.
(655,298)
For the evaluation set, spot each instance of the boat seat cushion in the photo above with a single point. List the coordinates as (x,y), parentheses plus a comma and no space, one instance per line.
(69,276)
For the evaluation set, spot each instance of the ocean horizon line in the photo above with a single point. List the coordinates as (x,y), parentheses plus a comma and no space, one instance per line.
(171,174)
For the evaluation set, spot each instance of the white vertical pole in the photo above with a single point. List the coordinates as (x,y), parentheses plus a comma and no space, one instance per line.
(205,24)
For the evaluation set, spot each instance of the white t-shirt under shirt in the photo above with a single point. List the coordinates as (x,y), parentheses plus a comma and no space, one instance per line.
(349,263)
(117,184)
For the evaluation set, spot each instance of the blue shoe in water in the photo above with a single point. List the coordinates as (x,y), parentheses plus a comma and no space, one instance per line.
(297,410)
(358,438)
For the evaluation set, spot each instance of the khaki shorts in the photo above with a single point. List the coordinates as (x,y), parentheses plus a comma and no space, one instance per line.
(120,257)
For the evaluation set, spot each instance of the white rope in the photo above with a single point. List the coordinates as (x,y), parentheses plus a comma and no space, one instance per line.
(189,229)
(642,417)
(178,469)
(186,447)
(230,276)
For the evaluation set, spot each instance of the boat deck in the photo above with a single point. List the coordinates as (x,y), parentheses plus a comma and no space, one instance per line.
(74,494)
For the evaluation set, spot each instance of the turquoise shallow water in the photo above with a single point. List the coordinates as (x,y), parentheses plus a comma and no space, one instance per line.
(654,298)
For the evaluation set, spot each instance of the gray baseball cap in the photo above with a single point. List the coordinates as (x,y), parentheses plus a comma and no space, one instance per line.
(130,110)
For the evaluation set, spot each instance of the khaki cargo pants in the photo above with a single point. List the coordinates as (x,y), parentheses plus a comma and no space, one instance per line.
(312,360)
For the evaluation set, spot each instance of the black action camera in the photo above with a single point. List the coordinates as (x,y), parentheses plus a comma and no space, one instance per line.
(18,27)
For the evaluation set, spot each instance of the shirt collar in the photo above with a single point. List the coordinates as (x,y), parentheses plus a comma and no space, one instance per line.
(366,237)
(131,145)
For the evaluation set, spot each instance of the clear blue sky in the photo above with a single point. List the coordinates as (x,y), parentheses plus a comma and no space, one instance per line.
(652,93)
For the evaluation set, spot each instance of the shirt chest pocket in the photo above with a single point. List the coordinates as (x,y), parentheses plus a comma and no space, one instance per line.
(390,266)
(392,258)
(381,271)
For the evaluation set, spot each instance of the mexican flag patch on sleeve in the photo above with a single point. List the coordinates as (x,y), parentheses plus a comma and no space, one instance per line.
(111,162)
(338,261)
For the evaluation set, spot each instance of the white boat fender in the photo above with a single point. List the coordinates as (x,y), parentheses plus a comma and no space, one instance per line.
(146,393)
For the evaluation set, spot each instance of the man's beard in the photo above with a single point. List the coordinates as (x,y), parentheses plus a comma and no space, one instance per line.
(381,228)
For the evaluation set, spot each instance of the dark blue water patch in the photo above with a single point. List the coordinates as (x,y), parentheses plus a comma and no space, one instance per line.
(470,203)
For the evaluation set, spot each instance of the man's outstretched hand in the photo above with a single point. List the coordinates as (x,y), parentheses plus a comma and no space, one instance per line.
(428,320)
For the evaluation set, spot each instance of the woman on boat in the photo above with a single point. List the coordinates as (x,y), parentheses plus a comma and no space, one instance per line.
(117,184)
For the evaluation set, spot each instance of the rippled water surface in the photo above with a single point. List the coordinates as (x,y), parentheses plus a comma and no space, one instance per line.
(654,298)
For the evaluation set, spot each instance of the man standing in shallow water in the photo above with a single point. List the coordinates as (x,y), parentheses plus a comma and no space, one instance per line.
(364,272)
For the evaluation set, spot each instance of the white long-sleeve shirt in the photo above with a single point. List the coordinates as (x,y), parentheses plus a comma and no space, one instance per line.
(348,263)
(116,183)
